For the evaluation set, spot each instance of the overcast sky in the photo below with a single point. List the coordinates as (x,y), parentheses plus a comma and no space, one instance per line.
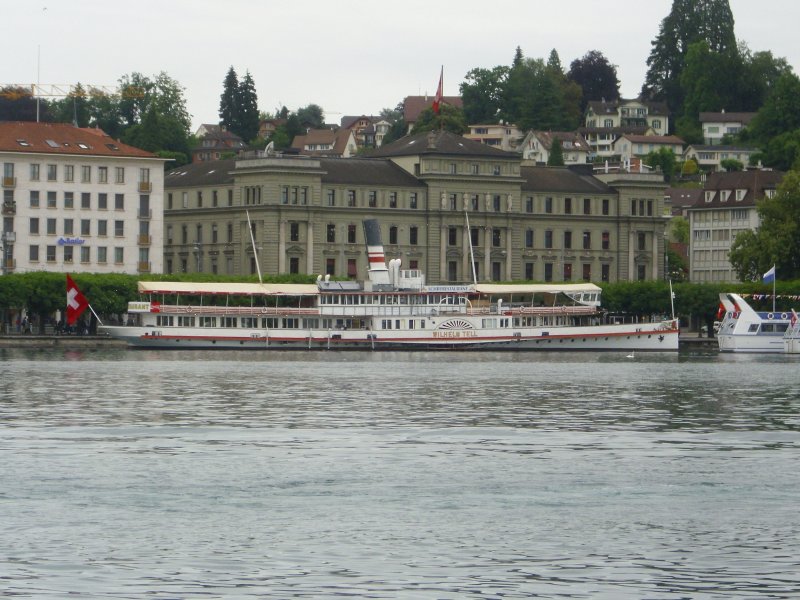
(351,57)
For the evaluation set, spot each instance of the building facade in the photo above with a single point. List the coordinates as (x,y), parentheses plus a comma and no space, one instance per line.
(76,200)
(726,208)
(445,204)
(716,125)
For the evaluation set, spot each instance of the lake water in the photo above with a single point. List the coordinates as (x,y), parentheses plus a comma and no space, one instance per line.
(139,474)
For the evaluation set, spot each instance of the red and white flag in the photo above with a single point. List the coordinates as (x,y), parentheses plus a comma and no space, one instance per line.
(76,302)
(437,100)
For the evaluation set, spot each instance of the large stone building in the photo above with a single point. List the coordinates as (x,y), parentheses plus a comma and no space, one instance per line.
(76,200)
(305,214)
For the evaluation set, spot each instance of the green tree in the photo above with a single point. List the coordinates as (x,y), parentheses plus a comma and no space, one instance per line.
(689,21)
(781,111)
(777,239)
(74,108)
(247,107)
(482,94)
(450,118)
(311,116)
(554,63)
(731,164)
(663,158)
(596,77)
(760,74)
(538,97)
(229,101)
(783,151)
(679,230)
(556,157)
(710,80)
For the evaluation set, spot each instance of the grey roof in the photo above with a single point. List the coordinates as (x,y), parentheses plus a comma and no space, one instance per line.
(561,179)
(442,143)
(366,171)
(212,172)
(727,117)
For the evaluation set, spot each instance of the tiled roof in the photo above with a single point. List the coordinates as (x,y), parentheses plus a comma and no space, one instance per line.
(366,171)
(727,117)
(600,107)
(561,179)
(755,182)
(63,138)
(215,172)
(683,196)
(576,140)
(440,142)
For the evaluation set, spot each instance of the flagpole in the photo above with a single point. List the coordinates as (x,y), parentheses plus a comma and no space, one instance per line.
(95,315)
(774,279)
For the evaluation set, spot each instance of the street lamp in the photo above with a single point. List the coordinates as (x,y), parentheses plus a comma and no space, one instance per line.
(198,251)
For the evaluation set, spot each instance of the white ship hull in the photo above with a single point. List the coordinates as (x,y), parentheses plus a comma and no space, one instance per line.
(644,337)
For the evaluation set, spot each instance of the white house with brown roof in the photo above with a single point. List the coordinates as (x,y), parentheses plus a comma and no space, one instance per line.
(716,125)
(710,157)
(726,208)
(628,113)
(326,142)
(501,136)
(630,146)
(76,200)
(536,146)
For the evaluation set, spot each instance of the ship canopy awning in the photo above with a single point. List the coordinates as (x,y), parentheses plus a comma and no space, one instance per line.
(228,289)
(499,289)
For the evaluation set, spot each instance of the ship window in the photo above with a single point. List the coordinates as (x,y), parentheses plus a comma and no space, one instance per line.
(269,322)
(753,328)
(229,322)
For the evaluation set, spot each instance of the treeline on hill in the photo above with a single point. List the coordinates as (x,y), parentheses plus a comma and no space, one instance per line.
(42,294)
(695,65)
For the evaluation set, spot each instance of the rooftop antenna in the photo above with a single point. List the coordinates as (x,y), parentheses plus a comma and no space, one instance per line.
(255,250)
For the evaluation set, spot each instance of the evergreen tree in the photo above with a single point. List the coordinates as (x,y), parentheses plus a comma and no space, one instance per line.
(554,63)
(689,21)
(517,62)
(228,102)
(556,158)
(247,109)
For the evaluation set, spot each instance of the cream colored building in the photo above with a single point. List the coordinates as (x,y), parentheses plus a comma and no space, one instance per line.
(76,200)
(726,208)
(536,223)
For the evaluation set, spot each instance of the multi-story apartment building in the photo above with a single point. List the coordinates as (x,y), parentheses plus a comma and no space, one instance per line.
(76,200)
(628,113)
(305,214)
(502,136)
(709,158)
(726,207)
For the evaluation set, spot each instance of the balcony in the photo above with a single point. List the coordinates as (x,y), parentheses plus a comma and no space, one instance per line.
(9,237)
(9,207)
(144,239)
(145,187)
(143,267)
(145,214)
(9,182)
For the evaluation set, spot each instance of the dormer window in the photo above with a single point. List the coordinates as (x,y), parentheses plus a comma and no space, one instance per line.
(769,193)
(709,196)
(740,194)
(23,142)
(725,195)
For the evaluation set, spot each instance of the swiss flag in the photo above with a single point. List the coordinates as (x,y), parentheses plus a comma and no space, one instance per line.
(76,302)
(439,93)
